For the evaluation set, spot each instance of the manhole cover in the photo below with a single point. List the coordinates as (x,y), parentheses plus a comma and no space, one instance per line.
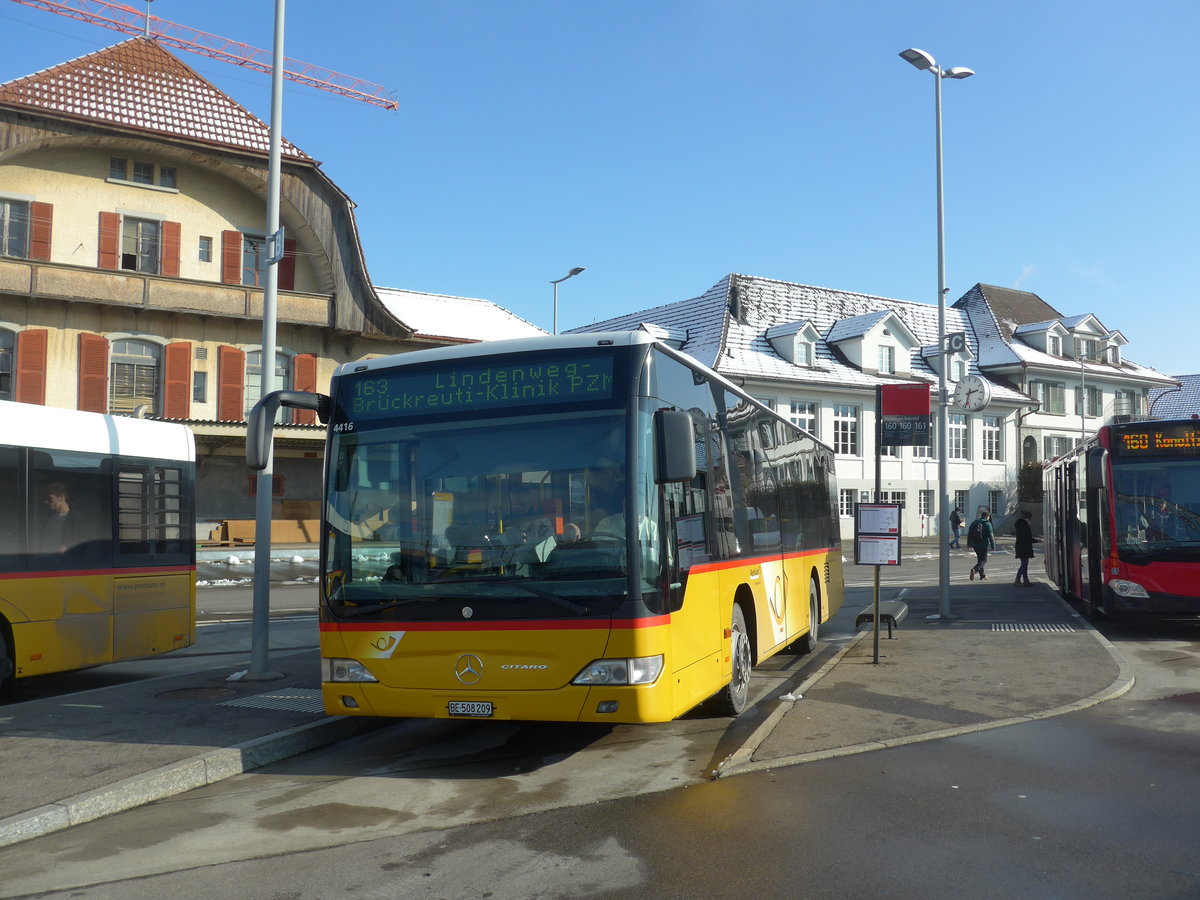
(202,693)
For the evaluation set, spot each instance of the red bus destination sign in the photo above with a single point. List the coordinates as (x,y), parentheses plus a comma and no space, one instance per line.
(1159,439)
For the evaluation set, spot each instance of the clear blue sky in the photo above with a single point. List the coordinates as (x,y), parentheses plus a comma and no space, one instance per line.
(665,143)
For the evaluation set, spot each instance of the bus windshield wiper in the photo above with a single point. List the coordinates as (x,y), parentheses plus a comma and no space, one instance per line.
(352,611)
(577,608)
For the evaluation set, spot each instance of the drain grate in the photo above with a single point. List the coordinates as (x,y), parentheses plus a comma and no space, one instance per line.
(294,699)
(1042,628)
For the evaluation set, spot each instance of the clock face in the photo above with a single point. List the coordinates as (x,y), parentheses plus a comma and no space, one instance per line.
(972,393)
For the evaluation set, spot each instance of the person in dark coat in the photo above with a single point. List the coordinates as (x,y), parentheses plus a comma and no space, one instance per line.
(980,539)
(1024,546)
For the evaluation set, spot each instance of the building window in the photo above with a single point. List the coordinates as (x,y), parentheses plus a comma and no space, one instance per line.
(846,502)
(118,168)
(1056,446)
(898,497)
(1127,403)
(254,260)
(1113,355)
(925,502)
(140,240)
(924,451)
(1051,395)
(958,433)
(7,341)
(959,370)
(992,439)
(166,176)
(14,228)
(143,173)
(199,387)
(887,359)
(1093,401)
(134,376)
(804,415)
(995,502)
(767,402)
(205,251)
(845,430)
(1085,348)
(1055,345)
(893,452)
(254,380)
(804,353)
(961,499)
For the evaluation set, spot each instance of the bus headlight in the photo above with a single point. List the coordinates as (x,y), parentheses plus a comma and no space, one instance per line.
(640,670)
(345,670)
(1123,588)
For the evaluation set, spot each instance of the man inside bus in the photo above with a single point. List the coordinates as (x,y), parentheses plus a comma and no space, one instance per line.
(527,519)
(61,528)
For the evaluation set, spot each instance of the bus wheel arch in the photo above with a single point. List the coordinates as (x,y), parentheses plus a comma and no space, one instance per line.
(733,697)
(808,643)
(8,662)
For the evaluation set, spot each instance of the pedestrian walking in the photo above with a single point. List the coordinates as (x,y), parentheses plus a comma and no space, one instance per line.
(979,538)
(956,527)
(1024,546)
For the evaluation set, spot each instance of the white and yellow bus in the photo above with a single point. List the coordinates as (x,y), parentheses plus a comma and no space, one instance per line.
(575,528)
(97,539)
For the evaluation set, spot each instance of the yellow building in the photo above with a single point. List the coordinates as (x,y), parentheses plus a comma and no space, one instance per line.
(132,259)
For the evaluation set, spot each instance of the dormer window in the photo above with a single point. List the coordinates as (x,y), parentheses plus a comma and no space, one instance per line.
(804,353)
(1055,345)
(887,359)
(1113,355)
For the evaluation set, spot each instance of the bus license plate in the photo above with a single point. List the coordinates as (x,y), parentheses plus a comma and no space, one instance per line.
(473,708)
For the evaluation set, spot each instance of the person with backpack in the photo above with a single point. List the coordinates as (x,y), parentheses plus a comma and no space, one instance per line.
(979,538)
(956,526)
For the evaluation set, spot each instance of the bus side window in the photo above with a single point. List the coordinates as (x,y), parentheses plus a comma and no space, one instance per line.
(12,546)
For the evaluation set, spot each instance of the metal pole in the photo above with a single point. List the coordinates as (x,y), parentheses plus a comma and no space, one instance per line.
(259,638)
(943,529)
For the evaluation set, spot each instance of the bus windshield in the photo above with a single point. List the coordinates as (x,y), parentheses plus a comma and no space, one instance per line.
(508,518)
(1157,508)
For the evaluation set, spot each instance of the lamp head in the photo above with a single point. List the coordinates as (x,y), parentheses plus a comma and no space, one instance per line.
(958,72)
(918,58)
(577,269)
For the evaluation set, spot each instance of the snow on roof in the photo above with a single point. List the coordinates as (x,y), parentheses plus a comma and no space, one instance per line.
(454,318)
(139,85)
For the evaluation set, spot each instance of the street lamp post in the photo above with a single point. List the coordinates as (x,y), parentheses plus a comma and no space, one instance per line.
(575,271)
(922,60)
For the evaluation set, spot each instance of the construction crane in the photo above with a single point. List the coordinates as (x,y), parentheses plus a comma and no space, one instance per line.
(127,20)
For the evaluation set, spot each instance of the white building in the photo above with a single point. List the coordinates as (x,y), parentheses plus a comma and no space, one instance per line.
(817,355)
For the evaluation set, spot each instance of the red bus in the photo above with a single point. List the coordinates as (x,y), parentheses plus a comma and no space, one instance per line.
(1122,519)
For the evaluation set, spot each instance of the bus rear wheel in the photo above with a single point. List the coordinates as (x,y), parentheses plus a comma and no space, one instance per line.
(808,643)
(732,699)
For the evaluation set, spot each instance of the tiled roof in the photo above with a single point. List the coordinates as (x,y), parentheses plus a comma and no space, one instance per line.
(138,85)
(994,316)
(738,347)
(1177,403)
(454,318)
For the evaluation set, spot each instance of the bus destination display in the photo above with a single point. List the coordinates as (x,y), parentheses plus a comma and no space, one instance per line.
(1161,439)
(512,383)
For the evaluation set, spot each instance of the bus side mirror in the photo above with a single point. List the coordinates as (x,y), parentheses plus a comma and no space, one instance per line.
(1096,470)
(675,446)
(261,421)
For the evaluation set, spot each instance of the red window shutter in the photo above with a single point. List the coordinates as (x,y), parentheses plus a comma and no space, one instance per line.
(31,366)
(93,373)
(177,371)
(170,249)
(287,266)
(231,384)
(109,256)
(231,257)
(42,215)
(304,377)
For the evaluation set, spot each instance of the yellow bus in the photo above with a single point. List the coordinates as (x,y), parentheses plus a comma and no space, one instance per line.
(97,539)
(591,528)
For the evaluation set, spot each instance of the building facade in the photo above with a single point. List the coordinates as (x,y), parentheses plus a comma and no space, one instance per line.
(133,260)
(817,356)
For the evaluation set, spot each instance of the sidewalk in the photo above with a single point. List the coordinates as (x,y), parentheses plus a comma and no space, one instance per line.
(1011,655)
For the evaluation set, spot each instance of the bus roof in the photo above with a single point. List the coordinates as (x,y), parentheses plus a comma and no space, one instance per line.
(51,428)
(492,348)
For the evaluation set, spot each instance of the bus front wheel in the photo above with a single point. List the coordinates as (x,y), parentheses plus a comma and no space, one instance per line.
(7,667)
(732,698)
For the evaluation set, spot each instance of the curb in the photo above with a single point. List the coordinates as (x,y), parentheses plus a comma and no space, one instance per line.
(742,762)
(179,777)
